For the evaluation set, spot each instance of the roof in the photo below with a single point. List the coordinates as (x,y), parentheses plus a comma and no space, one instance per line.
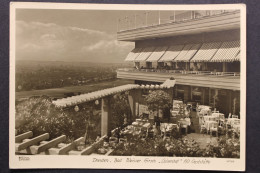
(206,52)
(227,52)
(189,54)
(171,53)
(146,52)
(133,54)
(157,54)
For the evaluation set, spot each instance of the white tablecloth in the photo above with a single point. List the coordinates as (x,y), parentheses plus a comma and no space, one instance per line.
(210,124)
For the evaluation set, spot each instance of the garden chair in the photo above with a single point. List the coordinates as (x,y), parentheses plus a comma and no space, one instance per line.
(235,116)
(203,128)
(214,128)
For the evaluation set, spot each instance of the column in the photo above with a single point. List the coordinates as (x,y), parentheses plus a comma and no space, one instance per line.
(224,67)
(132,102)
(203,96)
(191,93)
(106,114)
(230,102)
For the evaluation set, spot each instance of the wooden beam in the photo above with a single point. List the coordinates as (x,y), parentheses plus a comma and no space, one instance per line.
(32,141)
(70,146)
(74,152)
(87,151)
(50,144)
(23,136)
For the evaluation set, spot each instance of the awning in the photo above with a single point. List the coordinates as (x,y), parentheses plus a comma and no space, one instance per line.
(206,52)
(185,57)
(146,52)
(133,54)
(227,52)
(184,51)
(169,83)
(237,58)
(171,53)
(157,54)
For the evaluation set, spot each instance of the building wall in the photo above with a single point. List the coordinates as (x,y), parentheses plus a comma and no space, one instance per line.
(226,101)
(195,38)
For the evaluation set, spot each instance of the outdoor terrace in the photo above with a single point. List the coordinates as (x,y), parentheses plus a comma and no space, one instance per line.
(224,80)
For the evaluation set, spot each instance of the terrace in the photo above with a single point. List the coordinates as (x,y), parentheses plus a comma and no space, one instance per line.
(154,24)
(224,80)
(175,138)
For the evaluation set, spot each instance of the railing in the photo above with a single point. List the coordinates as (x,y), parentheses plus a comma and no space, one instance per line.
(151,18)
(209,73)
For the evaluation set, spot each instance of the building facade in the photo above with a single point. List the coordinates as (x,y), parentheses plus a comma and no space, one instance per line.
(200,49)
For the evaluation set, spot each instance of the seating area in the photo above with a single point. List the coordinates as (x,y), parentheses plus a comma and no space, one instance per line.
(215,122)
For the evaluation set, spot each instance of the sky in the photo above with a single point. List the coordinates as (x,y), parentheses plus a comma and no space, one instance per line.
(70,35)
(77,35)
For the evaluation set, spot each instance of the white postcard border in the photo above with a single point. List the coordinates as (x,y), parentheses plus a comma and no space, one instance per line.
(185,163)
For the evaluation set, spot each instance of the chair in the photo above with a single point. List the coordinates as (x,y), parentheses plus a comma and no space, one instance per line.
(150,134)
(221,116)
(214,128)
(235,116)
(203,128)
(168,133)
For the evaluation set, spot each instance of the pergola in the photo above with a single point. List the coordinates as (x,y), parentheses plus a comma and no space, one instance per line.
(105,96)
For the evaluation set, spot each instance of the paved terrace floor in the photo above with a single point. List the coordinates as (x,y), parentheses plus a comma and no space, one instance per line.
(202,139)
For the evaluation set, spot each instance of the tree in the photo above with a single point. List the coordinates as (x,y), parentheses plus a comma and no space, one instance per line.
(158,100)
(120,110)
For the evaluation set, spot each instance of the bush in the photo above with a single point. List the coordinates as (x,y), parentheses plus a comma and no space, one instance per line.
(39,115)
(178,147)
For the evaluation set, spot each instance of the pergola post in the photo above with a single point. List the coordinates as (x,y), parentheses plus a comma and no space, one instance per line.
(105,117)
(132,102)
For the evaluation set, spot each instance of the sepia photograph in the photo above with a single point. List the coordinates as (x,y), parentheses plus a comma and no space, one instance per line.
(127,86)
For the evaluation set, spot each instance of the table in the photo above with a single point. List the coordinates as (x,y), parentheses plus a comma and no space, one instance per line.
(236,127)
(209,118)
(185,121)
(231,121)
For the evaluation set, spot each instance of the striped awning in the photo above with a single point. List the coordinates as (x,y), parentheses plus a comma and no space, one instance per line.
(237,58)
(186,55)
(171,53)
(184,51)
(227,52)
(133,54)
(157,54)
(146,52)
(206,52)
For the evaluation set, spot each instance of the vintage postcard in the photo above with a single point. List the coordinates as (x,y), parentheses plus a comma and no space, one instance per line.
(127,86)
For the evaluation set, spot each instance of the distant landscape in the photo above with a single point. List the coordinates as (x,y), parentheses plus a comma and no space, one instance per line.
(63,79)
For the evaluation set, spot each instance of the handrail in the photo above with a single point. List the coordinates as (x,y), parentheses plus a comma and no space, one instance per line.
(184,72)
(131,22)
